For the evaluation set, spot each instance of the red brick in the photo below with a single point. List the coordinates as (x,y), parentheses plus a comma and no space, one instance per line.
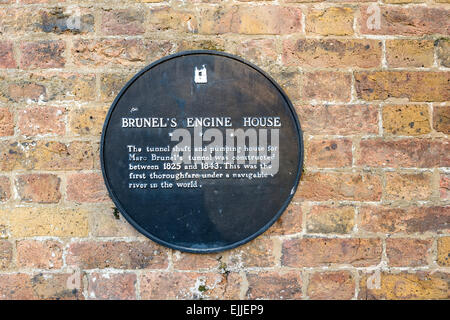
(327,86)
(7,59)
(322,186)
(25,90)
(15,287)
(6,122)
(43,54)
(41,188)
(266,19)
(290,221)
(112,286)
(274,285)
(6,254)
(93,189)
(123,22)
(117,254)
(332,285)
(411,85)
(335,53)
(40,254)
(414,20)
(257,253)
(338,119)
(42,120)
(404,220)
(422,153)
(262,52)
(5,188)
(328,153)
(315,252)
(408,252)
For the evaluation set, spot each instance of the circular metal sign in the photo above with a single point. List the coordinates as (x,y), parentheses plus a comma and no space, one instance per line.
(201,151)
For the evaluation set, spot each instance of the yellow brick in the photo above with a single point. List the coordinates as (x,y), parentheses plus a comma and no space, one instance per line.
(47,221)
(406,119)
(443,252)
(330,21)
(410,53)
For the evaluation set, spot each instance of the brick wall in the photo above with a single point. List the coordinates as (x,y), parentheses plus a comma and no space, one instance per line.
(371,215)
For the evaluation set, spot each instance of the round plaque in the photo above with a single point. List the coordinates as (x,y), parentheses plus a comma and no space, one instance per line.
(201,151)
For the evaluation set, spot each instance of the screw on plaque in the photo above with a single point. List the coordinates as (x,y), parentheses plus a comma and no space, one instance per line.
(200,75)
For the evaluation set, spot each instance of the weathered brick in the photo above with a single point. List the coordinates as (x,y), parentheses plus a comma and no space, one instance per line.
(41,121)
(257,253)
(326,219)
(274,285)
(42,54)
(443,254)
(7,59)
(123,22)
(108,223)
(414,20)
(262,52)
(444,186)
(250,20)
(202,44)
(48,86)
(332,53)
(6,254)
(404,220)
(331,285)
(410,53)
(289,80)
(314,252)
(39,254)
(46,221)
(5,188)
(336,21)
(406,252)
(41,188)
(408,186)
(111,84)
(54,286)
(187,285)
(190,261)
(112,286)
(93,189)
(327,86)
(6,122)
(441,119)
(117,254)
(443,52)
(338,119)
(43,155)
(406,120)
(404,285)
(414,86)
(66,20)
(329,153)
(109,52)
(339,186)
(169,19)
(15,286)
(290,221)
(422,153)
(87,121)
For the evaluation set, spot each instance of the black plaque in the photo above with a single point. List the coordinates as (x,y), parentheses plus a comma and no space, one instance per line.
(200,196)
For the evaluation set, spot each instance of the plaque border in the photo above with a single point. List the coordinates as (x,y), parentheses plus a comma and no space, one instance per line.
(267,225)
